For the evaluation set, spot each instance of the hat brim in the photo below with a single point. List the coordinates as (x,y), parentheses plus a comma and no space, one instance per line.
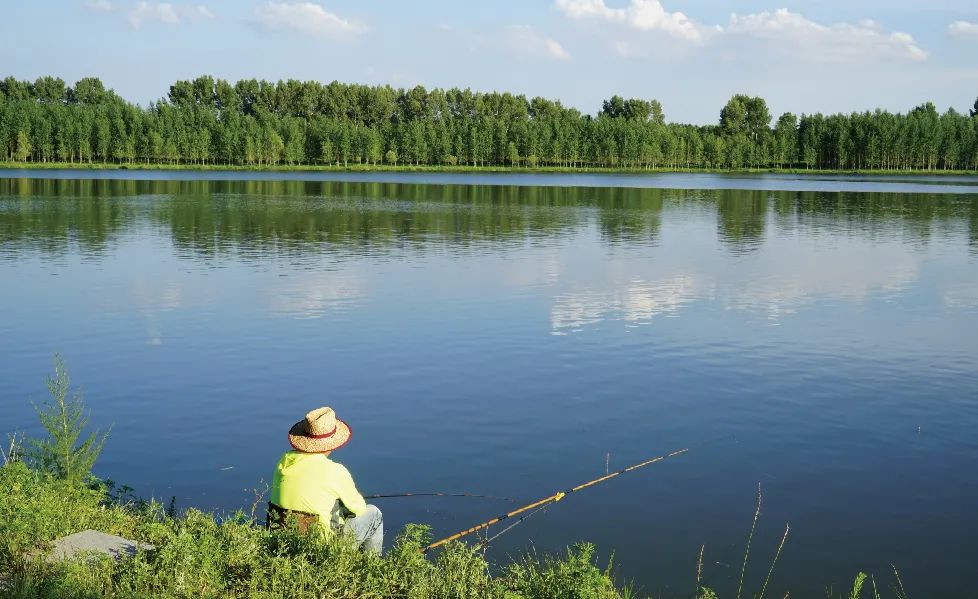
(301,442)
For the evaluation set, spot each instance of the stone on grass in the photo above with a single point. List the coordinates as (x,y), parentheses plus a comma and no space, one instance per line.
(94,541)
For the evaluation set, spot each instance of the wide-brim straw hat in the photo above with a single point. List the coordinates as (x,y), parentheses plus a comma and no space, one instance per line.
(319,431)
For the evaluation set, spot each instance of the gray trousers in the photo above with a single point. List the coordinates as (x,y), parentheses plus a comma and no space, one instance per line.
(367,529)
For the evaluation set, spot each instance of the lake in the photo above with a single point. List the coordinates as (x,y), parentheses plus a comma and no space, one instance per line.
(515,335)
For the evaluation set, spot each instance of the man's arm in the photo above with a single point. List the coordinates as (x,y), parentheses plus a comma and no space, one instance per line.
(347,491)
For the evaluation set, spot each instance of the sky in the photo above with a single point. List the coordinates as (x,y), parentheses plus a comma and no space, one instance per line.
(691,55)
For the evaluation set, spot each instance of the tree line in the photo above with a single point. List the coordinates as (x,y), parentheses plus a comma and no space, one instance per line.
(210,121)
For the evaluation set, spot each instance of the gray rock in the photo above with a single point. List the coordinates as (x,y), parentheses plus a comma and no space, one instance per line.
(94,541)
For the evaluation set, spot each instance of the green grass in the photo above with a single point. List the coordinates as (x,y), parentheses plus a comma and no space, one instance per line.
(200,555)
(364,168)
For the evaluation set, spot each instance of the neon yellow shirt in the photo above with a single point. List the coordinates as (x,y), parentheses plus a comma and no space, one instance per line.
(313,483)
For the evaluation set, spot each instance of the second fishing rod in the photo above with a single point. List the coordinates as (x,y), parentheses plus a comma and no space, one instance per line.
(541,503)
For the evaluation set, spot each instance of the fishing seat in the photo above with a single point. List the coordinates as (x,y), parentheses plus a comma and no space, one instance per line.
(278,518)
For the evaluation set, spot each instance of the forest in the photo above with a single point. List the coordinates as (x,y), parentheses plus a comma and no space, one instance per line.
(253,123)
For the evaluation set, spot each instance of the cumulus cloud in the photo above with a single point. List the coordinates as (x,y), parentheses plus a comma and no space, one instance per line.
(791,32)
(525,40)
(305,17)
(162,12)
(839,41)
(142,13)
(963,28)
(101,5)
(201,12)
(642,15)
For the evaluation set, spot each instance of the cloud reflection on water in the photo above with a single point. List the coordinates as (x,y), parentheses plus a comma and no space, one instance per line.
(778,280)
(314,294)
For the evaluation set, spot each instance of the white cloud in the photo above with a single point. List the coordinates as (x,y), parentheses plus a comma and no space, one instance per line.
(525,40)
(201,12)
(841,41)
(788,31)
(305,17)
(642,15)
(963,28)
(582,9)
(142,13)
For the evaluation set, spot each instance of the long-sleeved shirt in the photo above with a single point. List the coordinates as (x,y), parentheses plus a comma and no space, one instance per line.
(312,483)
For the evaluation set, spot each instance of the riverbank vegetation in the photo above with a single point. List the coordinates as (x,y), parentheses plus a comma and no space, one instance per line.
(49,493)
(260,124)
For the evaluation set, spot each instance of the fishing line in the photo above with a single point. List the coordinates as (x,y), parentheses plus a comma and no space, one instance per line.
(389,496)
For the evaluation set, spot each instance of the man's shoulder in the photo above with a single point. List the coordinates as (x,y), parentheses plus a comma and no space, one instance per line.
(336,466)
(334,463)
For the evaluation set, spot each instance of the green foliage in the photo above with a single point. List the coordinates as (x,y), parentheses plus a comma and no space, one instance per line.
(574,577)
(210,121)
(36,508)
(199,555)
(61,454)
(857,585)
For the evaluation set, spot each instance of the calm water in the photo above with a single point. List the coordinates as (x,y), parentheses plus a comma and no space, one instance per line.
(819,336)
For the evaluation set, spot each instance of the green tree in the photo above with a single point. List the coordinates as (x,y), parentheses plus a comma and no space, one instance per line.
(88,91)
(786,138)
(64,453)
(23,146)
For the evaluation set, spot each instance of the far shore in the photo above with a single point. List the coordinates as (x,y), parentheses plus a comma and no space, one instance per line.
(410,168)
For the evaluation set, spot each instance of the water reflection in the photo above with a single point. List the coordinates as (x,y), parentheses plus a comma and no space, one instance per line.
(210,218)
(635,303)
(741,219)
(154,298)
(312,295)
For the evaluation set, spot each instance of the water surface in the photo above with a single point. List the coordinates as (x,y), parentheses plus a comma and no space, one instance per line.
(510,338)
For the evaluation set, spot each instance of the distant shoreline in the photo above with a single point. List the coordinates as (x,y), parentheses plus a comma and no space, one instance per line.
(460,169)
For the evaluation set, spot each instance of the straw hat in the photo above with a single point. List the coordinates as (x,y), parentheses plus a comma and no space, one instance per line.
(319,431)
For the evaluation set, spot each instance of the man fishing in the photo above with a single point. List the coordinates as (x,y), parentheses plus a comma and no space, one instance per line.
(318,491)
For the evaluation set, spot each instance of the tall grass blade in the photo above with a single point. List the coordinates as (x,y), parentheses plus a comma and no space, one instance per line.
(750,537)
(777,554)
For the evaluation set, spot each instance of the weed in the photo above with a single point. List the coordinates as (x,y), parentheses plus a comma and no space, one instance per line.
(62,453)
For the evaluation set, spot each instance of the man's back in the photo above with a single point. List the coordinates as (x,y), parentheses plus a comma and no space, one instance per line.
(312,483)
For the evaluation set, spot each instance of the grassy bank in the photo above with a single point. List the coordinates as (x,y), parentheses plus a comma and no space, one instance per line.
(402,168)
(199,555)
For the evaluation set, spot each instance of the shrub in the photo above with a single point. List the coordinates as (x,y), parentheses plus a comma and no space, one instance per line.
(65,420)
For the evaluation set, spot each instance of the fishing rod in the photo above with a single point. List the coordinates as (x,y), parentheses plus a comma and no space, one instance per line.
(541,503)
(437,495)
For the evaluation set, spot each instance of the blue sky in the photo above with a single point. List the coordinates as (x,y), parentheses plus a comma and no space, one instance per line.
(830,55)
